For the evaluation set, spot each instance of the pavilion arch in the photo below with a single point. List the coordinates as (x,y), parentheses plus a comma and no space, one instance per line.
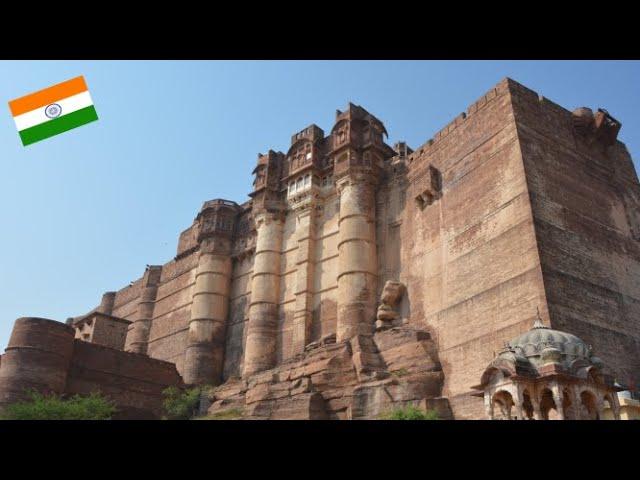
(502,404)
(528,411)
(548,407)
(588,406)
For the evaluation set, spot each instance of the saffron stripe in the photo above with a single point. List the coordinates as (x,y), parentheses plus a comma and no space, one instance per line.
(58,125)
(46,96)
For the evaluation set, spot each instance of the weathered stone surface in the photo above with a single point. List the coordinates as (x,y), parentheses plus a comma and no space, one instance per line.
(325,383)
(517,204)
(43,355)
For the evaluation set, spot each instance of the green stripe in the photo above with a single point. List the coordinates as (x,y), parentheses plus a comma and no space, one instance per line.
(58,125)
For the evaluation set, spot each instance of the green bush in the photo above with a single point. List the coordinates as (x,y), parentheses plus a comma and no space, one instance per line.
(54,407)
(230,414)
(411,413)
(181,404)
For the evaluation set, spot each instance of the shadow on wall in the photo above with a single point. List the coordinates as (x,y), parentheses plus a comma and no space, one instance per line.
(235,341)
(324,319)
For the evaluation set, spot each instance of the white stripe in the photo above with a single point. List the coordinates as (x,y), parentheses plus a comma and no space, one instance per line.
(67,105)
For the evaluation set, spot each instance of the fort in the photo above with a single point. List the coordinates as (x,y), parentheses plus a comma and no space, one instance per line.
(480,272)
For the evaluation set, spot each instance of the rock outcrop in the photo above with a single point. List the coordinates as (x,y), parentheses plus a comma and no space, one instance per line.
(362,378)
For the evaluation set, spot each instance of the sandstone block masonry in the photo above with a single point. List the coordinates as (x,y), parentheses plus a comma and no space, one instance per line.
(517,205)
(43,355)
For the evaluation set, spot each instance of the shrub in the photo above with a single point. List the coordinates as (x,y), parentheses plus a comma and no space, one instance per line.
(410,413)
(54,407)
(230,414)
(181,404)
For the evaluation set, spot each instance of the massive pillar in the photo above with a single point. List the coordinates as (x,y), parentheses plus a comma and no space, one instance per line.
(204,356)
(142,325)
(302,316)
(38,357)
(357,257)
(260,349)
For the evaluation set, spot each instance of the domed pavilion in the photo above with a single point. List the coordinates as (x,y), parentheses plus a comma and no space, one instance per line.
(547,374)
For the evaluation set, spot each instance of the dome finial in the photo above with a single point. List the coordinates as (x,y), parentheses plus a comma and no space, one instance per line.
(538,321)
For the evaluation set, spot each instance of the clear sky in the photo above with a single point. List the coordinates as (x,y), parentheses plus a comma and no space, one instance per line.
(84,212)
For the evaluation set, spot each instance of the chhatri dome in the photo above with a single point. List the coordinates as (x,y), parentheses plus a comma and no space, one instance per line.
(547,374)
(542,344)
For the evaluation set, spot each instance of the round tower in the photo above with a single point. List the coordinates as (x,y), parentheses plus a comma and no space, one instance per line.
(204,357)
(142,325)
(38,357)
(260,350)
(106,305)
(358,152)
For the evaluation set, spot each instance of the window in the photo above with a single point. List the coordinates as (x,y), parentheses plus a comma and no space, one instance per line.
(307,181)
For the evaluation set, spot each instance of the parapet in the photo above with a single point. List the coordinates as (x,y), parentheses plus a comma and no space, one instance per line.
(312,132)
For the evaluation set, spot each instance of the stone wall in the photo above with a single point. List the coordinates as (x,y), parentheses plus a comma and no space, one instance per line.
(585,198)
(133,381)
(470,259)
(43,355)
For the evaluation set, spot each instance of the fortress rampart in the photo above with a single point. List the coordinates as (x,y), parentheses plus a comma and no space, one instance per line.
(43,355)
(516,206)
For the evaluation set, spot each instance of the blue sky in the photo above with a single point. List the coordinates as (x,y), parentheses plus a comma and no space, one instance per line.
(83,212)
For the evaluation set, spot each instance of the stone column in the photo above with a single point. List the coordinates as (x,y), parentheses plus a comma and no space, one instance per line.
(357,257)
(517,398)
(537,413)
(488,406)
(204,356)
(599,407)
(615,405)
(106,305)
(557,399)
(142,325)
(302,316)
(260,349)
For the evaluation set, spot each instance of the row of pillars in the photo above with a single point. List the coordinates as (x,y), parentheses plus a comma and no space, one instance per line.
(356,287)
(516,395)
(356,278)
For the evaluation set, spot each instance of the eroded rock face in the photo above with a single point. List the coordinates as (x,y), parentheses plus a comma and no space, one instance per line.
(362,378)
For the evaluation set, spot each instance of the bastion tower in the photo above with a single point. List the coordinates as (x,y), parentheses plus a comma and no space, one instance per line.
(360,276)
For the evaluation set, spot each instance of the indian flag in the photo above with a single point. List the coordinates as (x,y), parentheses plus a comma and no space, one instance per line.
(53,110)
